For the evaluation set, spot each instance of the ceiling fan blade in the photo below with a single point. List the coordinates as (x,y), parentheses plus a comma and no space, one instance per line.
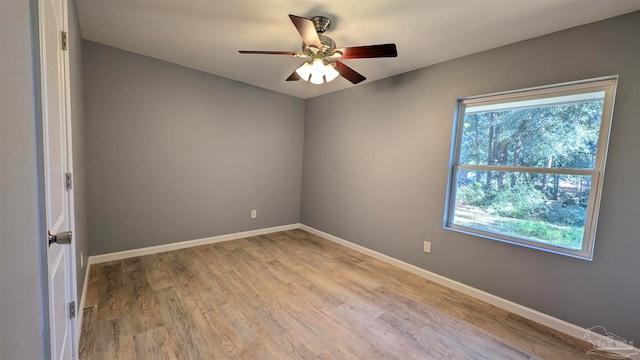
(307,30)
(294,77)
(369,51)
(267,52)
(348,73)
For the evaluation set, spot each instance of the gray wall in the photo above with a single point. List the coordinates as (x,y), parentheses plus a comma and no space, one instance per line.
(174,154)
(77,128)
(375,173)
(21,310)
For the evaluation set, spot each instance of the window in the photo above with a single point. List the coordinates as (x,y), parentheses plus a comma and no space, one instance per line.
(527,166)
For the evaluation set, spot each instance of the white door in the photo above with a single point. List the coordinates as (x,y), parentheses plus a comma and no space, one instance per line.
(56,147)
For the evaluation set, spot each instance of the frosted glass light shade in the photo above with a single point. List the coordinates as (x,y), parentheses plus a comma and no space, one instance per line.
(330,73)
(317,72)
(304,71)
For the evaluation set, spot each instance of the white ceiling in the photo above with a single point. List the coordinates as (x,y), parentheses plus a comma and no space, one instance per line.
(207,34)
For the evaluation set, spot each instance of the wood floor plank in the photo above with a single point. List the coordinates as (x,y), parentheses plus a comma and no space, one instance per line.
(91,296)
(157,270)
(132,264)
(294,295)
(116,340)
(184,339)
(88,340)
(154,344)
(111,295)
(141,302)
(222,340)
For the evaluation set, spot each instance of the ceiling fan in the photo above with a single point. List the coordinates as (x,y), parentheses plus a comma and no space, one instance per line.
(322,58)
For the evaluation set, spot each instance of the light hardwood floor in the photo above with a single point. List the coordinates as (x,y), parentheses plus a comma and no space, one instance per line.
(293,295)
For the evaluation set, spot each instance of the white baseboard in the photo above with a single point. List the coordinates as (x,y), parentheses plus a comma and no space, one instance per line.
(527,313)
(186,244)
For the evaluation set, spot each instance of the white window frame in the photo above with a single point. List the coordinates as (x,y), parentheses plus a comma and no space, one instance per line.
(527,97)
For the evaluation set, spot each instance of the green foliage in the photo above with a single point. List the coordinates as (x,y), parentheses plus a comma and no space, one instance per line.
(567,215)
(472,194)
(521,211)
(580,198)
(520,202)
(567,237)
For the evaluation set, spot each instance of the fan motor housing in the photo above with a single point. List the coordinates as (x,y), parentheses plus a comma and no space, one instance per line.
(321,23)
(327,44)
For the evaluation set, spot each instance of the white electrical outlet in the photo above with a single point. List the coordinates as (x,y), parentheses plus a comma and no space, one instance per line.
(254,214)
(427,247)
(81,260)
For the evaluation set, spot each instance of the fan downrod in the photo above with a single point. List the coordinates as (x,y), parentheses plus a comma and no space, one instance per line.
(321,23)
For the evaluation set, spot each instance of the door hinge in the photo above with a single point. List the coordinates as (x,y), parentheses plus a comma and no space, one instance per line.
(68,181)
(72,309)
(64,40)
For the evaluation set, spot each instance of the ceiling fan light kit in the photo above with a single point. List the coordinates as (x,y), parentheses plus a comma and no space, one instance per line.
(323,63)
(317,71)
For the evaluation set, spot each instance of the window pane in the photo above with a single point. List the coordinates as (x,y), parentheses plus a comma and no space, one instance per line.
(560,132)
(545,208)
